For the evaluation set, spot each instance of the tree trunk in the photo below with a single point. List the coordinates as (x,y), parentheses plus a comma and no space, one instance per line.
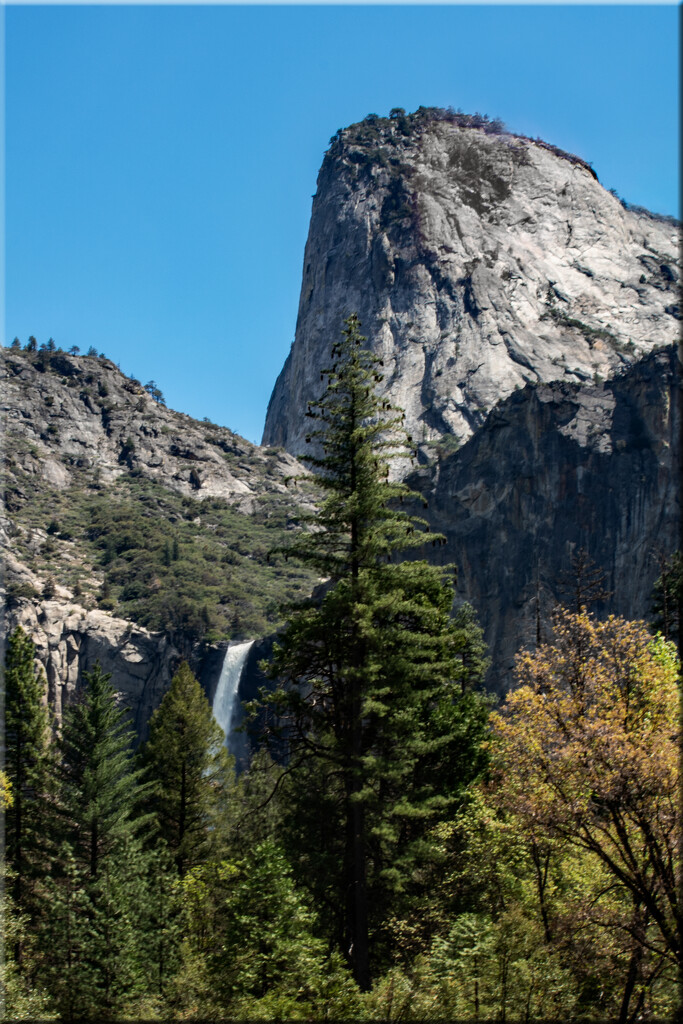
(541,882)
(356,896)
(633,973)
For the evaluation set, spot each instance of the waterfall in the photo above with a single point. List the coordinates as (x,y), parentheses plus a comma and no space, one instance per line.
(226,706)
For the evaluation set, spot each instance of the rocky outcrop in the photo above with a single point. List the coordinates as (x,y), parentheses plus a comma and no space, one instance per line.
(70,640)
(62,414)
(74,426)
(556,468)
(478,262)
(522,315)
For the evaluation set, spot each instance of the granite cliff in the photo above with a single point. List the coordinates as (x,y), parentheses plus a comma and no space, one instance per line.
(478,262)
(131,534)
(557,468)
(526,320)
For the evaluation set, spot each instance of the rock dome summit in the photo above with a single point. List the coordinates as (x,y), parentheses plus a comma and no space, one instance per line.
(478,261)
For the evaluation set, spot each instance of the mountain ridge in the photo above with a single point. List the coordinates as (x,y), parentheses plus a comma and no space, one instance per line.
(131,534)
(136,535)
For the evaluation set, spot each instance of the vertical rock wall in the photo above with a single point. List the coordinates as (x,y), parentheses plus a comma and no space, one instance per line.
(557,468)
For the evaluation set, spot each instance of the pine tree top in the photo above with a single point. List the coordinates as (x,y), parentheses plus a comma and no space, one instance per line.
(358,433)
(189,768)
(101,789)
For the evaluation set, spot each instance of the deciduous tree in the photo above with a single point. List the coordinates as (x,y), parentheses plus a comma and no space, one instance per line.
(588,753)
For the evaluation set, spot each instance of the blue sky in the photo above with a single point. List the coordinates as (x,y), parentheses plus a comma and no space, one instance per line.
(160,161)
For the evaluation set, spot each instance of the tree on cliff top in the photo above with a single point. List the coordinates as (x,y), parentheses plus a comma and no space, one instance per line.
(367,692)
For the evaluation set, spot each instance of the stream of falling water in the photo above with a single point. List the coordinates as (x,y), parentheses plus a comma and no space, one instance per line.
(225,701)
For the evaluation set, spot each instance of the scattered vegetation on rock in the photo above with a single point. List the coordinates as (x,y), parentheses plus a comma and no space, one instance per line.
(96,520)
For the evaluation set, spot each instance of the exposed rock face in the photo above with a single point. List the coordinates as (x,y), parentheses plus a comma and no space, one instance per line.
(70,640)
(486,269)
(556,468)
(83,413)
(477,262)
(71,422)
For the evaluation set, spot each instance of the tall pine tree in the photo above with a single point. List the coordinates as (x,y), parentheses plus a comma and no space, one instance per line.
(99,881)
(189,769)
(369,676)
(101,792)
(28,766)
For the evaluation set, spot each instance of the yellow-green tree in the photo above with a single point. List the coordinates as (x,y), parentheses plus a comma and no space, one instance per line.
(6,797)
(587,752)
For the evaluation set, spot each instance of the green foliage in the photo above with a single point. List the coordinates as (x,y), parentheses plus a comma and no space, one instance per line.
(28,766)
(667,600)
(160,922)
(152,389)
(367,676)
(254,811)
(373,128)
(251,928)
(98,886)
(189,770)
(444,446)
(218,556)
(470,902)
(100,790)
(476,913)
(591,334)
(127,451)
(21,998)
(20,590)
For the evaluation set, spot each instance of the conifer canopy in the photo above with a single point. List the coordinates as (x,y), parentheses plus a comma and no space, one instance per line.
(367,676)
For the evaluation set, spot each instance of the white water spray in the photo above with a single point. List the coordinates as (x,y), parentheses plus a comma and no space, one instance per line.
(225,703)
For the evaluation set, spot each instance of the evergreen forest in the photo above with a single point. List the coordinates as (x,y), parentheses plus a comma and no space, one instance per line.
(401,847)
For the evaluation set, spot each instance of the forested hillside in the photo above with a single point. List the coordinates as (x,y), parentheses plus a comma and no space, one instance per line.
(410,853)
(448,619)
(125,522)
